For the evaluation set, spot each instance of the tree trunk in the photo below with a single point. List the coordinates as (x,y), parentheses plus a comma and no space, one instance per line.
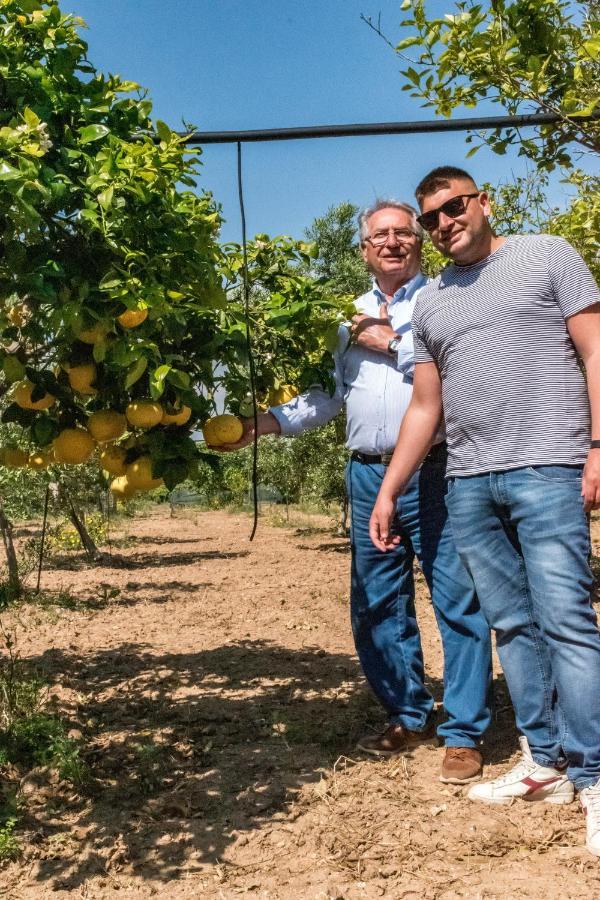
(14,582)
(78,520)
(342,527)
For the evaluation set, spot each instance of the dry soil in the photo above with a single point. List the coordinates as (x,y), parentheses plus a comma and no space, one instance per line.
(215,689)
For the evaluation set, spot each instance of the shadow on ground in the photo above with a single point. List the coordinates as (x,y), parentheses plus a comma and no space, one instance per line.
(189,751)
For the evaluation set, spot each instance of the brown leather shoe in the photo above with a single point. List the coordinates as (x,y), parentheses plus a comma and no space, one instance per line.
(461,765)
(397,739)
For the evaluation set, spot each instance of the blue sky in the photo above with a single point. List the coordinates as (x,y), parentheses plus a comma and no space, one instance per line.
(240,64)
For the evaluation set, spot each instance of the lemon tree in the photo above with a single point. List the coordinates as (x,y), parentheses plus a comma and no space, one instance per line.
(110,281)
(294,319)
(120,314)
(525,55)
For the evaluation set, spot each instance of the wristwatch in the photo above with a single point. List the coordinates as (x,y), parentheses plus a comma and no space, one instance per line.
(394,345)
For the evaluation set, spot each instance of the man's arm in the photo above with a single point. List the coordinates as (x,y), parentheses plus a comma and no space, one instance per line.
(419,428)
(584,329)
(311,409)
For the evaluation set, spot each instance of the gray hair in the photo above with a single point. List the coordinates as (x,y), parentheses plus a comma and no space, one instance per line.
(365,215)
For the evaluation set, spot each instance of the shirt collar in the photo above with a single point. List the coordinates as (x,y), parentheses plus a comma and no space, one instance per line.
(406,292)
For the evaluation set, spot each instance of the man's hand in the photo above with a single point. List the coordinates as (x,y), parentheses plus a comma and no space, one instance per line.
(372,333)
(590,488)
(267,424)
(380,526)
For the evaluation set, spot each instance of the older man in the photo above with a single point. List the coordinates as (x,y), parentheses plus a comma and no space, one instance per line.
(373,373)
(498,337)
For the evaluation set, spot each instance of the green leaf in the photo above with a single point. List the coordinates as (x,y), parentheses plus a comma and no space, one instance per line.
(23,417)
(106,197)
(92,133)
(9,173)
(30,117)
(99,351)
(136,371)
(408,42)
(179,379)
(163,131)
(43,431)
(157,381)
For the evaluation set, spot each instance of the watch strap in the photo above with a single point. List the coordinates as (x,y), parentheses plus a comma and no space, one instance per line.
(595,445)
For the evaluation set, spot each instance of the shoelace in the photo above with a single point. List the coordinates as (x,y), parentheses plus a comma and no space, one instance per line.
(459,752)
(521,770)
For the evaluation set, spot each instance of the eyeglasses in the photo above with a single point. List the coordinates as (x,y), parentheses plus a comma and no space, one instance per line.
(452,208)
(382,237)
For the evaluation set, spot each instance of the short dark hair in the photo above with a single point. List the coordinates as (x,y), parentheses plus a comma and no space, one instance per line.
(440,178)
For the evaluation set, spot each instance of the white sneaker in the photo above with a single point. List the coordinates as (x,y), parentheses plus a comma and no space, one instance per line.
(530,781)
(590,801)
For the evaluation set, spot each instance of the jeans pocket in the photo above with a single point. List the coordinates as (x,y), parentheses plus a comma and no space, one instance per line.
(450,486)
(553,474)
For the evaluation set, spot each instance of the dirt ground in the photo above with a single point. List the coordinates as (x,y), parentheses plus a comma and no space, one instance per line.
(215,688)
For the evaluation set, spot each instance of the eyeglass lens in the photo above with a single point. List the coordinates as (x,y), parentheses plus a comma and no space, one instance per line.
(454,207)
(381,237)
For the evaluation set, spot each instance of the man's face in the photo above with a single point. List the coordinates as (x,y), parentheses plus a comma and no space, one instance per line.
(459,237)
(398,259)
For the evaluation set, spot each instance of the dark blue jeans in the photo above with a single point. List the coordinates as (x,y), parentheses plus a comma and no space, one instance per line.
(384,624)
(524,537)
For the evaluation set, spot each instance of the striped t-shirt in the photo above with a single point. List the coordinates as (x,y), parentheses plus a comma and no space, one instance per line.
(513,392)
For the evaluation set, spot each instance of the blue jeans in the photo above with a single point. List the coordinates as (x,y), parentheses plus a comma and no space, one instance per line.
(524,537)
(382,604)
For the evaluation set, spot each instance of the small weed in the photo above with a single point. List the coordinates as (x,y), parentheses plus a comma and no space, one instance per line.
(64,536)
(106,592)
(8,595)
(150,762)
(29,734)
(9,844)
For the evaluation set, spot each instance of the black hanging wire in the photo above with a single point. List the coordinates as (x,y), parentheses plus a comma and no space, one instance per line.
(108,521)
(251,367)
(42,542)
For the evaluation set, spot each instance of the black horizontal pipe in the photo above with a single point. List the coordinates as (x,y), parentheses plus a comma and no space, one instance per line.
(331,131)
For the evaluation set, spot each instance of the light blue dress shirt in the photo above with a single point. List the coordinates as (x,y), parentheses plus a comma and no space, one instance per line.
(375,388)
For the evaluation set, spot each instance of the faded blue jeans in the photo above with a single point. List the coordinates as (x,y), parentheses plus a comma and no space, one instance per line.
(382,603)
(524,537)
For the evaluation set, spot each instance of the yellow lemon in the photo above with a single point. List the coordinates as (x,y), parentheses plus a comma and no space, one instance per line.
(73,446)
(179,418)
(13,368)
(144,413)
(16,316)
(112,460)
(139,475)
(38,460)
(106,425)
(13,457)
(121,488)
(283,394)
(81,377)
(131,318)
(226,429)
(22,396)
(93,335)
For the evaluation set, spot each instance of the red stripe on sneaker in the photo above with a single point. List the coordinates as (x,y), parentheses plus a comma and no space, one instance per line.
(534,785)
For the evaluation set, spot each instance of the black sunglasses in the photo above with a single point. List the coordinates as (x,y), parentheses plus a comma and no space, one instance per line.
(453,208)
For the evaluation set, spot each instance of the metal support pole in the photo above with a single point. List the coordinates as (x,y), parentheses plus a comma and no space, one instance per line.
(481,123)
